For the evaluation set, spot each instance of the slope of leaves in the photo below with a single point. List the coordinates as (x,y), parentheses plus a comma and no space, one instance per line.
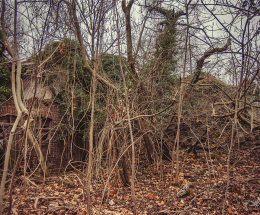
(155,189)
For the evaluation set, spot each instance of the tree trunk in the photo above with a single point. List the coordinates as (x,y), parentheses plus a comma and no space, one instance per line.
(10,141)
(122,162)
(130,57)
(148,142)
(38,152)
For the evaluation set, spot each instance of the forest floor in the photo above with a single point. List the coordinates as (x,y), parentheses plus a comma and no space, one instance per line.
(155,193)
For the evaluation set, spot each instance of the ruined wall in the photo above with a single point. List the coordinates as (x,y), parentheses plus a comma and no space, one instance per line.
(44,127)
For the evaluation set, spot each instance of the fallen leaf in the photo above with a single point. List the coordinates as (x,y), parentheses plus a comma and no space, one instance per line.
(161,203)
(200,201)
(111,202)
(229,209)
(152,196)
(112,192)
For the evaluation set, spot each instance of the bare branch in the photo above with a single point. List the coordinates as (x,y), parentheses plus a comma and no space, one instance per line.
(207,54)
(72,8)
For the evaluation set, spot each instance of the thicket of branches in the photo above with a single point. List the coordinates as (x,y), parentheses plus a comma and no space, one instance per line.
(133,77)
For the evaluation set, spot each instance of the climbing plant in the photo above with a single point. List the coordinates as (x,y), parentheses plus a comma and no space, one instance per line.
(162,66)
(66,76)
(5,73)
(164,61)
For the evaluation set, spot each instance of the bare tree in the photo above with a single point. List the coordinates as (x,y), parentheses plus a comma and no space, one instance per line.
(20,108)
